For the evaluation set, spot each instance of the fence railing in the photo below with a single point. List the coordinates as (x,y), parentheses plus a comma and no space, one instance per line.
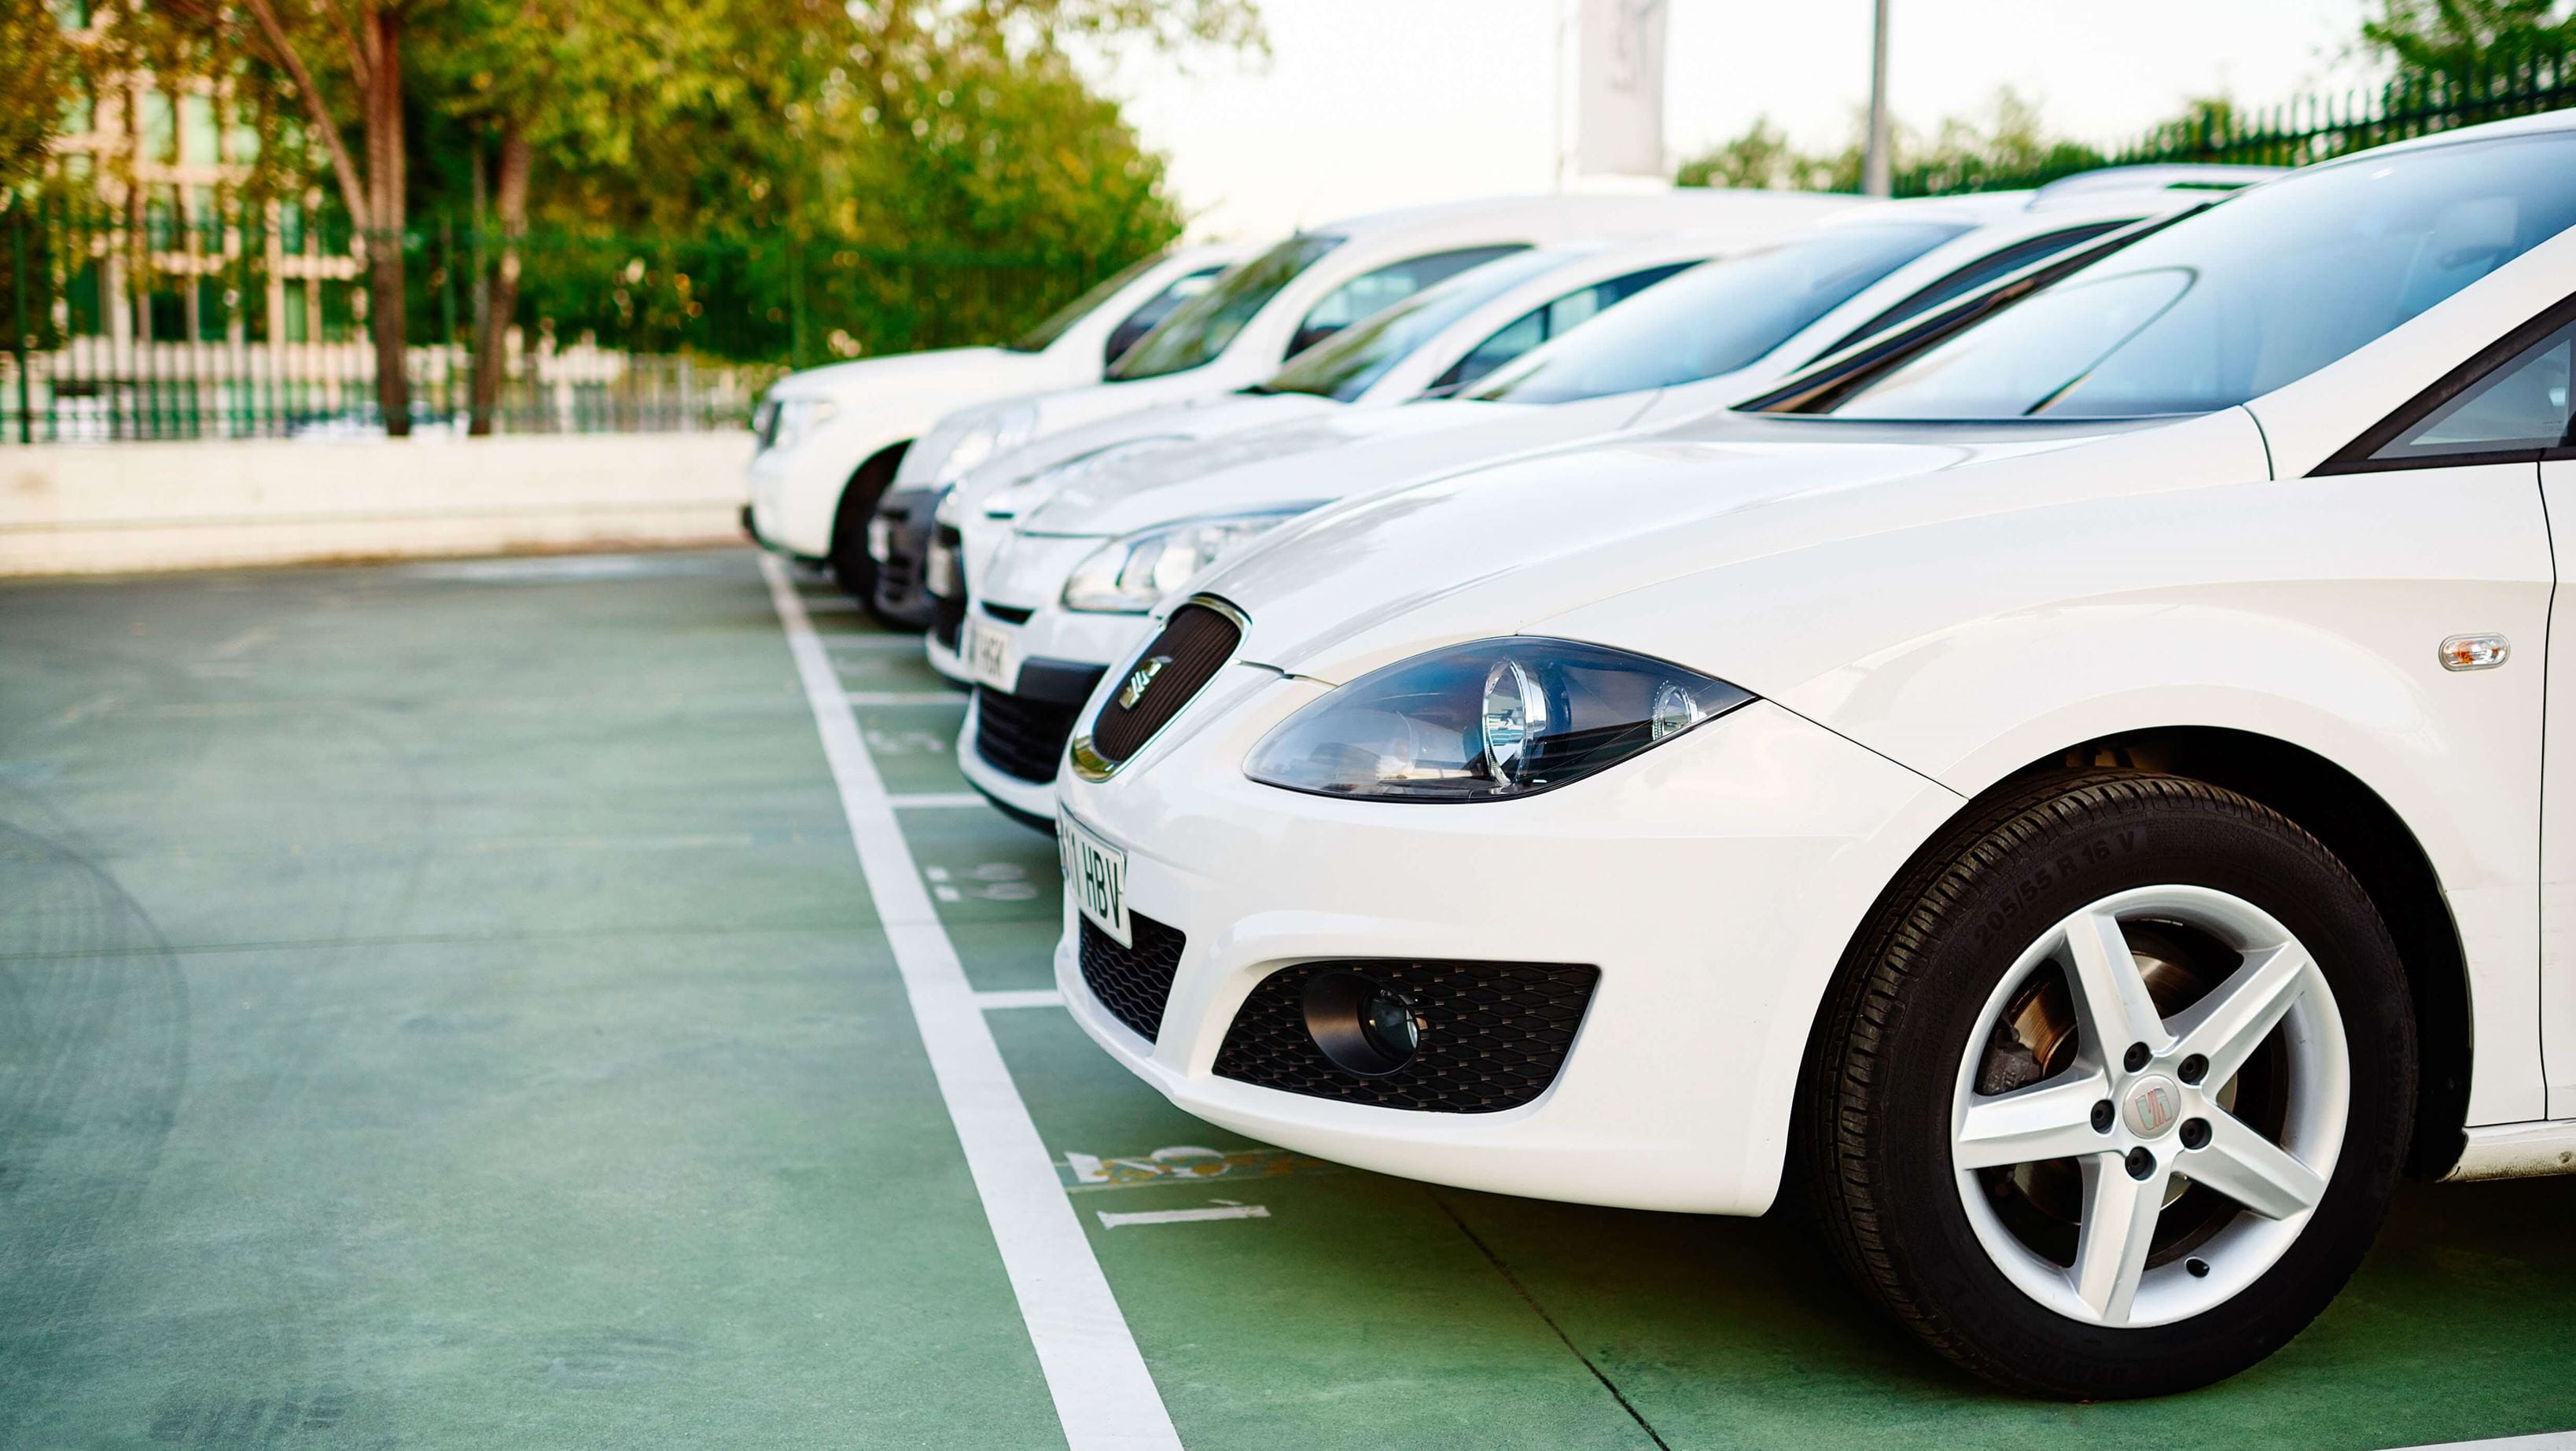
(195,316)
(2296,133)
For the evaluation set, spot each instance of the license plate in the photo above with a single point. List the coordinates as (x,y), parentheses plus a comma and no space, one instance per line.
(939,573)
(880,539)
(989,657)
(1096,874)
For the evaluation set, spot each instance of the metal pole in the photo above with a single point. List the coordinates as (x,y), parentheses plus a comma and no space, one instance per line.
(18,328)
(1877,168)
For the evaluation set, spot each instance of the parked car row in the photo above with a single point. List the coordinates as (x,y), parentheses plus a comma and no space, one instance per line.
(2025,716)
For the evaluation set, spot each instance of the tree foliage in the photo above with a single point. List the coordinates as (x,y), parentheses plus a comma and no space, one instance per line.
(2464,40)
(39,77)
(2007,138)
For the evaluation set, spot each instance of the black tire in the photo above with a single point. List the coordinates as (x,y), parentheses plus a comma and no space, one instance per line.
(850,561)
(1875,1112)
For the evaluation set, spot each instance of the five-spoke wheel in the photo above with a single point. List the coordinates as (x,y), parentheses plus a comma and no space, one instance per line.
(2113,1088)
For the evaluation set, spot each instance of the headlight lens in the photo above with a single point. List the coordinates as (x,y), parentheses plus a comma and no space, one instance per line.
(1126,576)
(1487,721)
(796,419)
(1005,430)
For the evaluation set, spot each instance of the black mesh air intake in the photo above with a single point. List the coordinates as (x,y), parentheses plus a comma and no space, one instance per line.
(1494,1034)
(1194,645)
(1133,983)
(1021,736)
(948,611)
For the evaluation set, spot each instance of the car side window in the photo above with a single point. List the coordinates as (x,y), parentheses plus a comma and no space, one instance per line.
(1157,308)
(1540,324)
(2520,408)
(1393,283)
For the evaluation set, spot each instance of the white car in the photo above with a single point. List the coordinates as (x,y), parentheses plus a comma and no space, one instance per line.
(1446,337)
(1071,594)
(1292,297)
(830,438)
(2096,784)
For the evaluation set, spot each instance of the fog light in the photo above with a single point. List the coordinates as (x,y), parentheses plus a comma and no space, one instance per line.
(1361,1024)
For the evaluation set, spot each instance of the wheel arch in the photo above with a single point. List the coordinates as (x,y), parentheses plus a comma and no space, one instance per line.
(2354,822)
(867,484)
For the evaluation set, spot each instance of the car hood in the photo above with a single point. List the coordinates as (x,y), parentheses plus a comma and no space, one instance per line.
(1179,425)
(863,378)
(1329,457)
(1507,548)
(1140,491)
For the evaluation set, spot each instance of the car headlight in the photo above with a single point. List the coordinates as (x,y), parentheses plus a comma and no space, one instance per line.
(1005,430)
(798,419)
(1126,576)
(1486,721)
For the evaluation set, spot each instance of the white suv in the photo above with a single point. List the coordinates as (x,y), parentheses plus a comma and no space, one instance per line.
(830,438)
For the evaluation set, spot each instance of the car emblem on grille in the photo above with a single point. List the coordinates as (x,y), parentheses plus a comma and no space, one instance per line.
(1142,680)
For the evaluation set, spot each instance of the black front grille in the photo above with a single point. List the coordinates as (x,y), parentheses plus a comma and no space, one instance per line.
(1020,735)
(947,619)
(1494,1034)
(1008,614)
(1193,647)
(1133,983)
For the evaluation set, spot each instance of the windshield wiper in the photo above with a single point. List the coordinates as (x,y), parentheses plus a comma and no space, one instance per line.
(1825,386)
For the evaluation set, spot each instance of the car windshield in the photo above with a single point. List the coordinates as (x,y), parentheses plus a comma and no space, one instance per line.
(1344,366)
(2258,292)
(1199,329)
(1717,318)
(1037,339)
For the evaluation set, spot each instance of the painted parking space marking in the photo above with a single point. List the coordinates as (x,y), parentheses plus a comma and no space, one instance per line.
(1184,1164)
(906,697)
(935,800)
(1221,1210)
(1032,997)
(1104,1396)
(2545,1441)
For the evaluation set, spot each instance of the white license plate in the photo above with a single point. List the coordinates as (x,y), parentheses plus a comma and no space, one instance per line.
(1096,874)
(939,572)
(989,656)
(880,539)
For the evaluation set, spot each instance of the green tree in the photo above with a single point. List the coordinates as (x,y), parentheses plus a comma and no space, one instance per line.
(39,81)
(2462,40)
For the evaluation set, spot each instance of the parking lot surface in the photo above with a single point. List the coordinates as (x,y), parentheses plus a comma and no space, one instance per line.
(440,1005)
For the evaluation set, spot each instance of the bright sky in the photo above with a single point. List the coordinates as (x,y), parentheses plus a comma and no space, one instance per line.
(1376,103)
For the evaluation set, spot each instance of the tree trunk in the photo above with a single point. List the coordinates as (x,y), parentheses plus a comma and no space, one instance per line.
(494,335)
(382,55)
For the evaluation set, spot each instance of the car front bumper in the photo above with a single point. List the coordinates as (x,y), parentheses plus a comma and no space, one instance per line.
(1714,882)
(902,525)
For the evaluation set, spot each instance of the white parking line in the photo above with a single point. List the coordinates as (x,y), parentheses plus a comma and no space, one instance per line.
(905,697)
(1104,1396)
(1183,1216)
(936,799)
(1035,997)
(2545,1441)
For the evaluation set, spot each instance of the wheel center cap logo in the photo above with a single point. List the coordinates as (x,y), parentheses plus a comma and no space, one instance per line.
(1142,681)
(2154,1103)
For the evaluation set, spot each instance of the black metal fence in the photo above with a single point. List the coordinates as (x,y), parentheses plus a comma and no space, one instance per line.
(190,315)
(2297,133)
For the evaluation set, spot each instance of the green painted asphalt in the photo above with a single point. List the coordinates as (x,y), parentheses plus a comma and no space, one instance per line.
(440,1006)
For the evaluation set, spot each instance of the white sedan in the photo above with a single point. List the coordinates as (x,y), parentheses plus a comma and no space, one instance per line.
(1119,529)
(2071,787)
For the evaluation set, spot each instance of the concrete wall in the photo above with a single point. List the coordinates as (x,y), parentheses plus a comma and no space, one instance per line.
(74,509)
